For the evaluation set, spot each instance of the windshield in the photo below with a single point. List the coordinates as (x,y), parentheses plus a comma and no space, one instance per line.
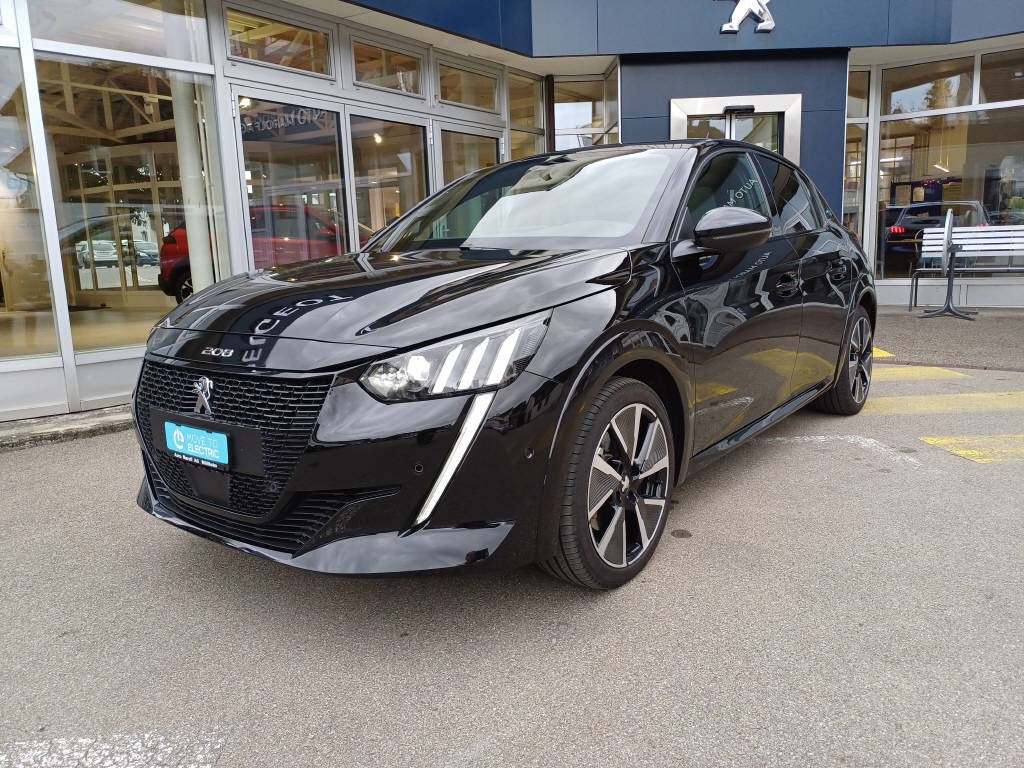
(589,199)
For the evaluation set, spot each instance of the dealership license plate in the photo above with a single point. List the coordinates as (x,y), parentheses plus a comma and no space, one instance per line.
(198,446)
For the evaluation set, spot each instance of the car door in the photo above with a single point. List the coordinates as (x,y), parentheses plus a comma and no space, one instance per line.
(826,270)
(743,309)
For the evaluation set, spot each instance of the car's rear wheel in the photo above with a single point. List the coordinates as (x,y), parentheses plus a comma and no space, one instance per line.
(183,286)
(617,481)
(851,389)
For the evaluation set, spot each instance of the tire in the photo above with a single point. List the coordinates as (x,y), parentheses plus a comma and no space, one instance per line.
(627,487)
(183,286)
(848,395)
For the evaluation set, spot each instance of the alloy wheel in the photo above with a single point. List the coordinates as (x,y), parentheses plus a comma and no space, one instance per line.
(628,489)
(859,360)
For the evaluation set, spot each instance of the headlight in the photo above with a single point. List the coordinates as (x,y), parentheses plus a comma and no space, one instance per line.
(477,362)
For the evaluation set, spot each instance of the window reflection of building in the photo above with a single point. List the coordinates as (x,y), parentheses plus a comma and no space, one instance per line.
(587,111)
(133,162)
(26,306)
(389,167)
(293,181)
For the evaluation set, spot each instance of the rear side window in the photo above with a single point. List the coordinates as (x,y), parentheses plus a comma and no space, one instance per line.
(728,179)
(793,209)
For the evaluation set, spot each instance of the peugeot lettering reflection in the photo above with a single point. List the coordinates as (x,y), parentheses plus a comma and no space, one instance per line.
(520,370)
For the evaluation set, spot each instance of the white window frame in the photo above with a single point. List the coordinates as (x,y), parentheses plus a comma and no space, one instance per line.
(262,69)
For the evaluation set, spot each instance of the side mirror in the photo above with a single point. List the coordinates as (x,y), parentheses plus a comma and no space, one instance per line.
(730,229)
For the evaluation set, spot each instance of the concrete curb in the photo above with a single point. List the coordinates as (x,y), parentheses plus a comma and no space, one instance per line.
(55,429)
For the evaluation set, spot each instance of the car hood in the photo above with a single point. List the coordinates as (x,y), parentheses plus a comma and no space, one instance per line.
(359,305)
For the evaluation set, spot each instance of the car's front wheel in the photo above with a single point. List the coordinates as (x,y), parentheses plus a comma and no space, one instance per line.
(617,481)
(850,391)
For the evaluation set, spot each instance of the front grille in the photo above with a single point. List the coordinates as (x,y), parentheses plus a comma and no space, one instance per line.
(290,532)
(283,410)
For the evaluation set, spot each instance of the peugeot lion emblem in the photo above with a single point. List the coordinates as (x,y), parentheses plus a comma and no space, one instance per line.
(747,8)
(203,387)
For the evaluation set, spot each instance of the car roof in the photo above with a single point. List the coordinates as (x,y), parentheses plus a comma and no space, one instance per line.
(680,144)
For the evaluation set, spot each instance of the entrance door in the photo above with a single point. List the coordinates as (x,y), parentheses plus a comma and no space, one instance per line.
(771,121)
(463,150)
(294,181)
(763,129)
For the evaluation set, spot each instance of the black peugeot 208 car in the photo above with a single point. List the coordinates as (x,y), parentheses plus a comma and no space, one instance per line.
(518,370)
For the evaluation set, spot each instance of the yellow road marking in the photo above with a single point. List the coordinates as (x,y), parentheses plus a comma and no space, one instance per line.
(915,373)
(878,352)
(983,449)
(913,405)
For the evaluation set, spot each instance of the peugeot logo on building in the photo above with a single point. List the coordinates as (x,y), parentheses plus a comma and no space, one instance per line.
(744,10)
(203,387)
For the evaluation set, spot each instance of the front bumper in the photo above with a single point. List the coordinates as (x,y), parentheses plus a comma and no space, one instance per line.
(388,552)
(351,501)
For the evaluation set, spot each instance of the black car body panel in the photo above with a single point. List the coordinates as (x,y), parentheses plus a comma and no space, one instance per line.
(337,477)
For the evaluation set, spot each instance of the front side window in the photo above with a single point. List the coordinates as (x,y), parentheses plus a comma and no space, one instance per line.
(587,199)
(729,179)
(793,211)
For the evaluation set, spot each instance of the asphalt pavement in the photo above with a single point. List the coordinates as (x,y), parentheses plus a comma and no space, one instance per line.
(842,591)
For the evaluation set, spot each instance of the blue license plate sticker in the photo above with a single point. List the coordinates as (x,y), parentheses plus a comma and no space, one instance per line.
(209,449)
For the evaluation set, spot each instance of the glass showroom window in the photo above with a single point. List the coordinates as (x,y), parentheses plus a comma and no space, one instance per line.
(26,304)
(389,164)
(587,111)
(471,89)
(269,41)
(384,68)
(936,85)
(465,152)
(294,181)
(525,115)
(969,162)
(171,28)
(856,151)
(136,189)
(1002,76)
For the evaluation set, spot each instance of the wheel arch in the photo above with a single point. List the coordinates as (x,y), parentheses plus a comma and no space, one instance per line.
(869,301)
(641,355)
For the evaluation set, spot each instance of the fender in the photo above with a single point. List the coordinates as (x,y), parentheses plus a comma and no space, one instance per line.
(626,347)
(864,294)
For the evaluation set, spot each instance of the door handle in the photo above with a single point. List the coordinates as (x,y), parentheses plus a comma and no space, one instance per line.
(788,285)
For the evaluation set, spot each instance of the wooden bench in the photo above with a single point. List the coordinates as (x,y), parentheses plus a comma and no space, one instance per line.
(981,250)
